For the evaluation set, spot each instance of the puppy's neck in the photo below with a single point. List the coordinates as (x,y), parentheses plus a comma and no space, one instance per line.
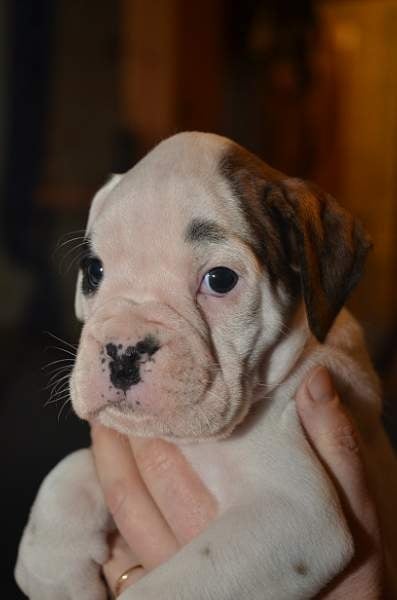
(285,353)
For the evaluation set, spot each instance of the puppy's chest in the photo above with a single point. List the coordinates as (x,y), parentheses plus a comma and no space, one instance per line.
(229,469)
(239,468)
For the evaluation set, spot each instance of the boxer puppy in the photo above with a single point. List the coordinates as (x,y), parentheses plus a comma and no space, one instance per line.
(210,286)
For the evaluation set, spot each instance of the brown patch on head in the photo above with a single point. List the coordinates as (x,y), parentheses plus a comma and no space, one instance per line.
(255,184)
(302,236)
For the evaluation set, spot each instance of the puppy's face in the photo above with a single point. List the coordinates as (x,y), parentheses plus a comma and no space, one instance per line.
(193,265)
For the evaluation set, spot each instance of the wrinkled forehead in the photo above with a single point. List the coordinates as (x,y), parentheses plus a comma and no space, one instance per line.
(176,187)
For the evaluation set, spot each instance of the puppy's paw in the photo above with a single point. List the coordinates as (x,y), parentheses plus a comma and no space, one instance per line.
(83,584)
(64,543)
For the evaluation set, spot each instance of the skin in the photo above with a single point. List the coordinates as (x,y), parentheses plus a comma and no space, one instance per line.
(142,477)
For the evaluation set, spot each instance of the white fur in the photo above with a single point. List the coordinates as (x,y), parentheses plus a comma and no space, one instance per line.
(280,531)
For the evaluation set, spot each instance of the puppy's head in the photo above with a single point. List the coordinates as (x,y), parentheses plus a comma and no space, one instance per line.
(195,260)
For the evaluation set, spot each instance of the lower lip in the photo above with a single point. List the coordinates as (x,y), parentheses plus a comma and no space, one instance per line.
(93,415)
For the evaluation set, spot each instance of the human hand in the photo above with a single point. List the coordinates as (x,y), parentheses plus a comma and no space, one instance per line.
(337,444)
(159,503)
(156,499)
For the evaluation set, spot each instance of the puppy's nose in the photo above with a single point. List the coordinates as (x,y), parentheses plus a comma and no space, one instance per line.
(125,363)
(124,367)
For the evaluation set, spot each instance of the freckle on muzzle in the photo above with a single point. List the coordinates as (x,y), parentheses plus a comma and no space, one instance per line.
(125,363)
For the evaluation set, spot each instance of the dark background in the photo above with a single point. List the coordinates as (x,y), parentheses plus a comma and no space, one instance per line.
(86,88)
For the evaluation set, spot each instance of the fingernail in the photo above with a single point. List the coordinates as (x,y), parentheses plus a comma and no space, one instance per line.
(320,386)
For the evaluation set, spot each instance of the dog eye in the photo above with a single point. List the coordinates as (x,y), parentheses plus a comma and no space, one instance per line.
(92,274)
(219,281)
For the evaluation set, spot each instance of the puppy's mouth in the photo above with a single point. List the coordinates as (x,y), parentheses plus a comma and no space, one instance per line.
(125,419)
(189,424)
(144,389)
(119,407)
(155,408)
(141,378)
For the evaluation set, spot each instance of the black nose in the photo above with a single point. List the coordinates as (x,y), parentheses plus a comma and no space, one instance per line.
(125,363)
(124,370)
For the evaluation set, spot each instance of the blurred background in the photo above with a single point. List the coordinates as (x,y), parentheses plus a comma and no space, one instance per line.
(87,88)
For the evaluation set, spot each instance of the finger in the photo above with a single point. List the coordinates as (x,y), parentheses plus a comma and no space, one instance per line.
(337,442)
(169,477)
(137,517)
(129,578)
(122,559)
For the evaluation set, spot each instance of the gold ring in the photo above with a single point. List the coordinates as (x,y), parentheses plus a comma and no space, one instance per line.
(123,578)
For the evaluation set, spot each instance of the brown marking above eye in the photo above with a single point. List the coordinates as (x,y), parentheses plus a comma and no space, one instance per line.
(204,231)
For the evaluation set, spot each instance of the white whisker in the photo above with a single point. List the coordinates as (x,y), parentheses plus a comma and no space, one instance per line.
(74,253)
(70,252)
(57,399)
(62,407)
(57,372)
(73,346)
(59,395)
(54,362)
(56,376)
(61,350)
(70,241)
(61,380)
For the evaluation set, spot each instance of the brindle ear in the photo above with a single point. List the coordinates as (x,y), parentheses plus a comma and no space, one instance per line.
(300,233)
(327,246)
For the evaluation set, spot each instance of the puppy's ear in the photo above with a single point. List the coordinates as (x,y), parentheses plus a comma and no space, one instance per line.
(302,236)
(327,246)
(78,299)
(96,206)
(100,197)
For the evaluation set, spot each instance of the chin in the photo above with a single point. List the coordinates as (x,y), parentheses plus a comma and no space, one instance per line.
(187,425)
(129,423)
